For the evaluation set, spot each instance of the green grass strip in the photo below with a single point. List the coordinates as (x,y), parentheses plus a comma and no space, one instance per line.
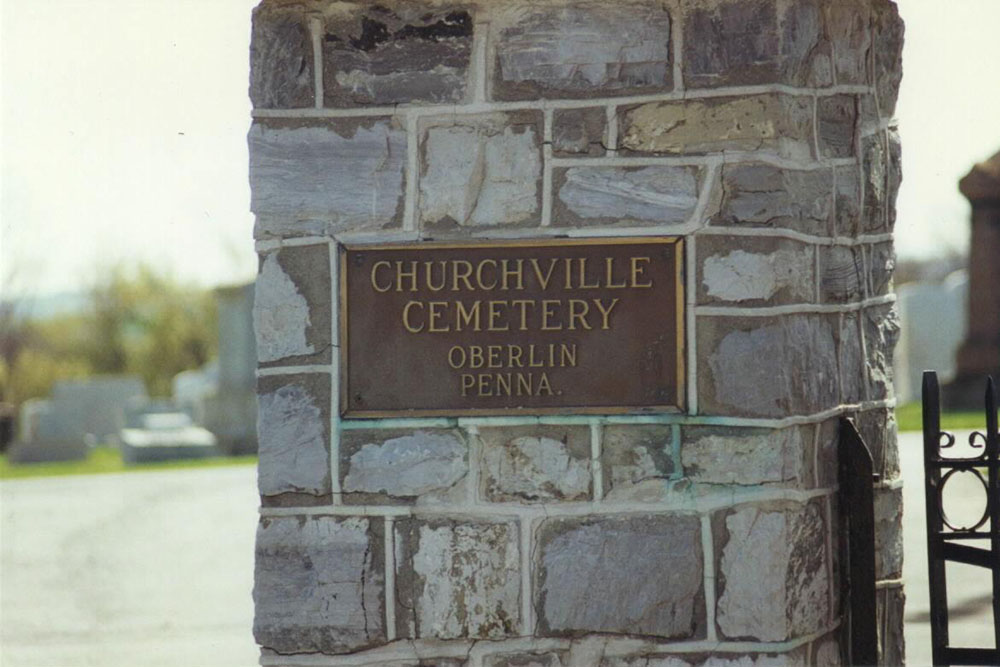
(108,459)
(909,418)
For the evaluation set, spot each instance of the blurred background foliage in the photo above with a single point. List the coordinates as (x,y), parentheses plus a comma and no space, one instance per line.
(135,321)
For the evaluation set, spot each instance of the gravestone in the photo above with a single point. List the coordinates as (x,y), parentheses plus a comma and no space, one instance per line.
(231,411)
(979,354)
(77,415)
(559,305)
(933,319)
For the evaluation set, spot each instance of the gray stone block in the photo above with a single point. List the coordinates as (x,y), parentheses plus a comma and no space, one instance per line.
(318,178)
(894,174)
(836,121)
(881,265)
(775,124)
(578,132)
(281,58)
(381,466)
(826,652)
(755,367)
(319,584)
(293,427)
(528,659)
(794,658)
(457,579)
(890,607)
(842,274)
(868,115)
(481,171)
(589,49)
(291,310)
(879,431)
(630,196)
(847,201)
(774,582)
(745,456)
(635,575)
(882,175)
(634,457)
(760,195)
(827,453)
(848,27)
(411,53)
(734,42)
(750,271)
(850,354)
(887,55)
(413,662)
(888,533)
(881,328)
(534,464)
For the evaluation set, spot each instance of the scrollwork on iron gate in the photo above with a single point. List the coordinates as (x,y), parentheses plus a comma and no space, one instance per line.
(948,539)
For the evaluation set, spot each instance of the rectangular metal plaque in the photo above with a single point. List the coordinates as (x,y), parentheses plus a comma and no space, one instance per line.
(519,327)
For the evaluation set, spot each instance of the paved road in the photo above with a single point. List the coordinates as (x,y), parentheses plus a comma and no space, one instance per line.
(146,568)
(155,569)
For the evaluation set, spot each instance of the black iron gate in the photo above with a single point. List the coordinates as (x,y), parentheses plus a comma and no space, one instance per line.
(858,546)
(950,542)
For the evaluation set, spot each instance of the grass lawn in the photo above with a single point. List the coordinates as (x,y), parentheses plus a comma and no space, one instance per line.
(108,459)
(909,418)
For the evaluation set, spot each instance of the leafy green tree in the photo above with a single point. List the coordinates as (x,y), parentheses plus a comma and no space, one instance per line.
(139,322)
(146,323)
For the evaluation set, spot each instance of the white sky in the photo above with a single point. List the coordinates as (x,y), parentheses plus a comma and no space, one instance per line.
(124,124)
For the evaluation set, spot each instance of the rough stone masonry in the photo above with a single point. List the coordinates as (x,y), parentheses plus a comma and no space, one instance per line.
(758,130)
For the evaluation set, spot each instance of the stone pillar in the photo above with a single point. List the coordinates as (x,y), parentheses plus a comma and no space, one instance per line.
(760,133)
(979,355)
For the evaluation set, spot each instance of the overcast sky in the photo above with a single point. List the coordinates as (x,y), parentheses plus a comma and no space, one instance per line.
(124,124)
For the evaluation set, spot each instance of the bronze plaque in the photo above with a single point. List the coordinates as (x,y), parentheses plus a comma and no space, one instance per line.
(519,327)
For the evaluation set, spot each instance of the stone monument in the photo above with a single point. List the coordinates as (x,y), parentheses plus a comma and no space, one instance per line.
(979,354)
(559,305)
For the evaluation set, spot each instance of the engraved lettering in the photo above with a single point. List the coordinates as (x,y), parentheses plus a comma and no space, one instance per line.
(508,273)
(578,309)
(494,315)
(514,353)
(523,305)
(493,356)
(463,275)
(543,281)
(444,275)
(463,317)
(609,263)
(503,384)
(456,352)
(411,275)
(406,316)
(567,356)
(582,264)
(475,356)
(375,267)
(637,271)
(479,274)
(548,306)
(434,314)
(605,313)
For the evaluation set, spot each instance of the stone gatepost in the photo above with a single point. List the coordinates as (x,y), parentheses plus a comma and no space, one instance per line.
(667,495)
